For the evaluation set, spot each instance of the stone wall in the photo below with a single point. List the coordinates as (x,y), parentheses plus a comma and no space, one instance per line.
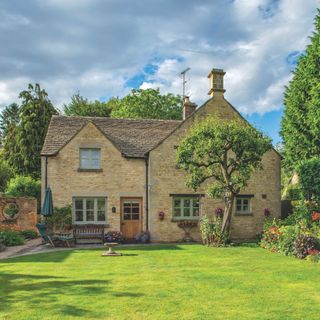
(26,217)
(166,179)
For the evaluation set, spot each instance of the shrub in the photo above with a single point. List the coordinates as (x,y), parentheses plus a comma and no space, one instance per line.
(11,238)
(278,237)
(29,234)
(2,245)
(211,231)
(301,213)
(61,219)
(21,186)
(304,244)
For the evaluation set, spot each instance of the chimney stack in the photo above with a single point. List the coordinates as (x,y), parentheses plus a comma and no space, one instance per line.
(216,82)
(188,107)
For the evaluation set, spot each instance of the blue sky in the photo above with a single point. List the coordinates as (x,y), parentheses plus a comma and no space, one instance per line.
(105,48)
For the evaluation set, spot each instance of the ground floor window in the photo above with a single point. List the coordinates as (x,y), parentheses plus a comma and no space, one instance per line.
(89,210)
(243,205)
(186,208)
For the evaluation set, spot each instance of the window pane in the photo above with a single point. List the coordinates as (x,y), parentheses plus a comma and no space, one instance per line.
(135,216)
(90,215)
(177,212)
(135,209)
(95,154)
(177,202)
(79,204)
(239,202)
(85,153)
(90,204)
(245,201)
(101,216)
(127,216)
(186,212)
(127,209)
(101,204)
(238,208)
(85,163)
(79,216)
(95,164)
(186,203)
(245,208)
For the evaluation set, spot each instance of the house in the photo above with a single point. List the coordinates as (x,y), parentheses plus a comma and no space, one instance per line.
(122,173)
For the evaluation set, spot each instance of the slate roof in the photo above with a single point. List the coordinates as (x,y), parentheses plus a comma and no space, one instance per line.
(134,138)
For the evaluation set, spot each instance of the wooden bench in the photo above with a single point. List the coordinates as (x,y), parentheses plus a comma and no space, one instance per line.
(88,233)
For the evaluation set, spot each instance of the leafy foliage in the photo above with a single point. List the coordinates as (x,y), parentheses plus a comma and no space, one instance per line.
(9,119)
(6,173)
(309,178)
(304,244)
(148,104)
(11,238)
(80,106)
(211,232)
(61,219)
(21,186)
(224,151)
(29,234)
(25,130)
(300,127)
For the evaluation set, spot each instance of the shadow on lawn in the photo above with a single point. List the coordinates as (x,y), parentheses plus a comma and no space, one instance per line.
(47,292)
(54,256)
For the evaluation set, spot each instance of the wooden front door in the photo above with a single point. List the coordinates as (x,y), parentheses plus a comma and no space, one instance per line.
(131,217)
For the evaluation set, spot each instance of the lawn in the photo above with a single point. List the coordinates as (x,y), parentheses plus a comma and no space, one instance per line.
(160,282)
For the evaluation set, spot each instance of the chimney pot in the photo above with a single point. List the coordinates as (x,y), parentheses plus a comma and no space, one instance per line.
(216,81)
(188,107)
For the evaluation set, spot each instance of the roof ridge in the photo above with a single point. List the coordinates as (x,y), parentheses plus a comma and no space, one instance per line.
(105,118)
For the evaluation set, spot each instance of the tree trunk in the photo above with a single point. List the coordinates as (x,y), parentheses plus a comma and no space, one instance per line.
(229,198)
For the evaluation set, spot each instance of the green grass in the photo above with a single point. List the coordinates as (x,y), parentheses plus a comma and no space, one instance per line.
(160,282)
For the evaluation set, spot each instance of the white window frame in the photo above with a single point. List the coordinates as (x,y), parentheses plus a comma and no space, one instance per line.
(182,216)
(84,209)
(90,158)
(241,199)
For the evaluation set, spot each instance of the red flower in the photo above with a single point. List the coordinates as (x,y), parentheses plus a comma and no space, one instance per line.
(315,216)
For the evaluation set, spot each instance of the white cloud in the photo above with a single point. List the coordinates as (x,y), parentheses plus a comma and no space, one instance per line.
(95,46)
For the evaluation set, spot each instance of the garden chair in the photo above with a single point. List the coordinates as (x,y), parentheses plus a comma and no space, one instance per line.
(44,234)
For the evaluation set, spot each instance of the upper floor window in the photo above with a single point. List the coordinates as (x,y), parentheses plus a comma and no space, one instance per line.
(186,208)
(90,158)
(243,205)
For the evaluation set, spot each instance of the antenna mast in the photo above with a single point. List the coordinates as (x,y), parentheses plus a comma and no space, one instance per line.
(183,74)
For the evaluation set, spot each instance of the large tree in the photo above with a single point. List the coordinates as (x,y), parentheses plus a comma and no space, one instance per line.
(148,104)
(22,151)
(80,106)
(224,154)
(300,127)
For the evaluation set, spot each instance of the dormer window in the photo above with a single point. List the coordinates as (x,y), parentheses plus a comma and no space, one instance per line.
(90,158)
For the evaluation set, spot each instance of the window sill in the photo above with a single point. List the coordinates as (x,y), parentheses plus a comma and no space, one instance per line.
(89,170)
(106,225)
(184,219)
(243,214)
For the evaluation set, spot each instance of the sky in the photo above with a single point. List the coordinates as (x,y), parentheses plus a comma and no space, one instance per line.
(104,48)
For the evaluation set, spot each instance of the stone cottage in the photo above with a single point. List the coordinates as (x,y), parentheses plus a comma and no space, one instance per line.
(122,173)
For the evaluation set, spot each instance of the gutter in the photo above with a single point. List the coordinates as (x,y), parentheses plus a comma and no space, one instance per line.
(146,158)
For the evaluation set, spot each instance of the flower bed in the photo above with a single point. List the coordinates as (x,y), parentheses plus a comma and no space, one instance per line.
(298,235)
